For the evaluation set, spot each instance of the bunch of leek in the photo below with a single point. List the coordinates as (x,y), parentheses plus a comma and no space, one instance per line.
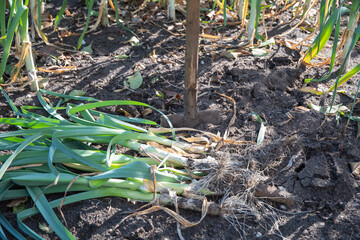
(60,154)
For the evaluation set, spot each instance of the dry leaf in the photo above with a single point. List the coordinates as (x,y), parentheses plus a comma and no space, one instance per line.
(231,141)
(45,228)
(127,114)
(16,202)
(57,69)
(174,150)
(47,20)
(46,99)
(311,90)
(133,41)
(141,30)
(196,140)
(302,108)
(178,97)
(355,168)
(211,14)
(45,25)
(233,54)
(209,36)
(65,33)
(161,147)
(146,111)
(68,13)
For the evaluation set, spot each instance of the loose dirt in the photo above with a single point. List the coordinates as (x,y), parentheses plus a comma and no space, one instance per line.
(304,152)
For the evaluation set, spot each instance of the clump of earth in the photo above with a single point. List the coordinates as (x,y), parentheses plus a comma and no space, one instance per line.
(304,152)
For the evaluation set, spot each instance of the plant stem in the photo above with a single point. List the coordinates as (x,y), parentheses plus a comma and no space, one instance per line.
(349,32)
(29,60)
(191,62)
(104,16)
(171,10)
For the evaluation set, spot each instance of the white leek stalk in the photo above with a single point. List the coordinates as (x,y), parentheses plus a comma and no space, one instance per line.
(171,9)
(29,60)
(349,32)
(105,13)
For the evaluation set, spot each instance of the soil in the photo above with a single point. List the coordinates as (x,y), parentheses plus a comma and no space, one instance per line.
(318,147)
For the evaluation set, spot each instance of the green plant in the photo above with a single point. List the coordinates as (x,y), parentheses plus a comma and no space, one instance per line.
(330,17)
(329,23)
(46,150)
(17,25)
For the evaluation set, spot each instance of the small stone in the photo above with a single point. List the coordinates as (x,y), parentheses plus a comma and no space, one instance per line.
(283,207)
(202,62)
(258,235)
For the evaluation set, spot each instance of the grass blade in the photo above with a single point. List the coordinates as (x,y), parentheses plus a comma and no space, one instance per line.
(116,123)
(135,170)
(50,109)
(5,185)
(46,211)
(124,119)
(9,38)
(2,234)
(354,103)
(2,21)
(28,123)
(9,228)
(80,98)
(97,193)
(76,156)
(72,111)
(32,179)
(324,35)
(262,130)
(60,14)
(7,163)
(91,4)
(39,3)
(28,230)
(333,54)
(346,77)
(352,72)
(117,18)
(12,105)
(51,154)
